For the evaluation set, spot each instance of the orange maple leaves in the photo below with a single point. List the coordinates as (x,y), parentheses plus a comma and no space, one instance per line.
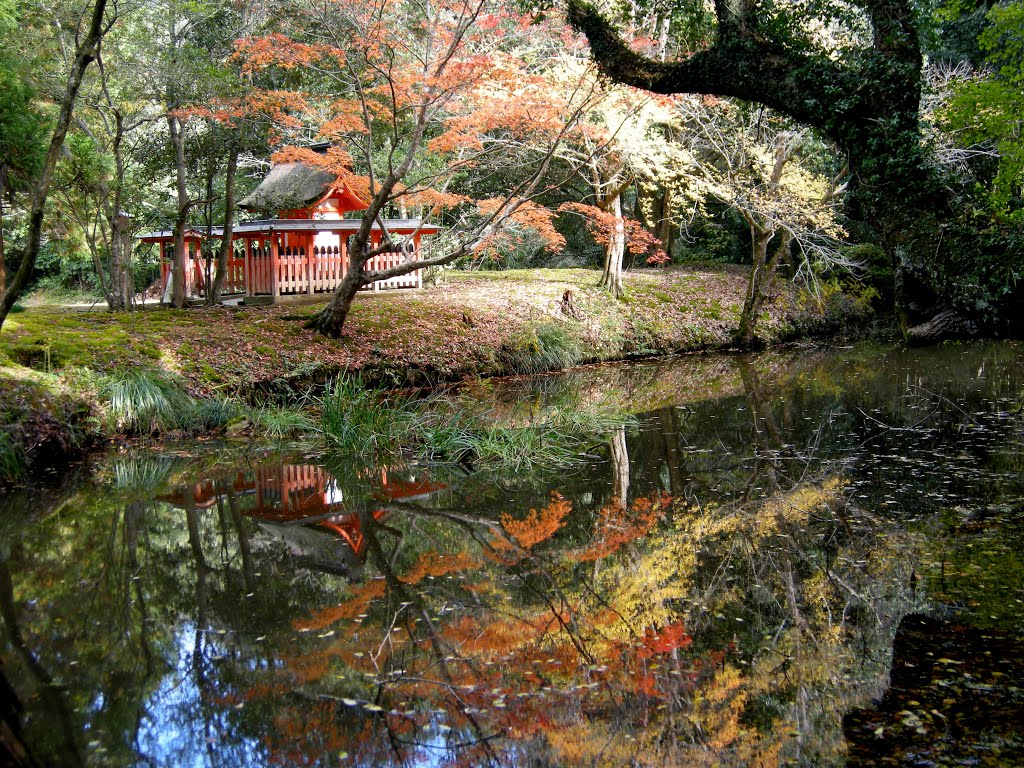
(616,527)
(603,226)
(536,527)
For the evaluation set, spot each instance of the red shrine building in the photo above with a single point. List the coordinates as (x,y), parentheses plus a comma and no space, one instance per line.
(301,252)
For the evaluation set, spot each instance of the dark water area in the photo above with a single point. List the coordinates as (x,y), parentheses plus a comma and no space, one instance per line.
(732,579)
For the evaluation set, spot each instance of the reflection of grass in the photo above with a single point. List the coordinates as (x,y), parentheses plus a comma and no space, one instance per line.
(355,420)
(12,459)
(144,475)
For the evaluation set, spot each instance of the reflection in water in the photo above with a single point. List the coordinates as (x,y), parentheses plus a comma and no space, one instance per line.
(719,587)
(301,506)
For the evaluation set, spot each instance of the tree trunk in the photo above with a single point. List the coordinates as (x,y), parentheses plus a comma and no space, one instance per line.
(946,324)
(85,53)
(332,319)
(762,279)
(226,244)
(122,286)
(611,278)
(3,262)
(178,266)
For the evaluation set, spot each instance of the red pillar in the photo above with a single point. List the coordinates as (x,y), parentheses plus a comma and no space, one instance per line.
(275,287)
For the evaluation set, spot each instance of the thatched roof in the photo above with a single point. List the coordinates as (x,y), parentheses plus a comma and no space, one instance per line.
(289,186)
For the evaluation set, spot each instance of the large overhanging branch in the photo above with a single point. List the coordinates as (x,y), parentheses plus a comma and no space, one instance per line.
(741,63)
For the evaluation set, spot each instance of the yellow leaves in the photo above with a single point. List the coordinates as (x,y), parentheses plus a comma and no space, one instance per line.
(794,507)
(718,705)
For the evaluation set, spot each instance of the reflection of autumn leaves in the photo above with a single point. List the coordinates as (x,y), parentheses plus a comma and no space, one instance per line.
(536,527)
(616,526)
(436,564)
(354,606)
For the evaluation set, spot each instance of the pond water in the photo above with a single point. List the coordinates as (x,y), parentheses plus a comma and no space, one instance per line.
(722,582)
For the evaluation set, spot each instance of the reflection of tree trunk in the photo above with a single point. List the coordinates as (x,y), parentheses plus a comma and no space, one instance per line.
(620,468)
(375,554)
(134,524)
(134,518)
(668,420)
(767,437)
(202,617)
(46,688)
(243,538)
(13,750)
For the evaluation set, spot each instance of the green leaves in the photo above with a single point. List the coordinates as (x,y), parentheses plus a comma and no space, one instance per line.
(989,109)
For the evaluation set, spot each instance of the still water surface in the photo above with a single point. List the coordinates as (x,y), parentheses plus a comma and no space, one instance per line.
(719,583)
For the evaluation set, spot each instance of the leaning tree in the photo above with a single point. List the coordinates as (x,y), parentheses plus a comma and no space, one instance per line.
(864,96)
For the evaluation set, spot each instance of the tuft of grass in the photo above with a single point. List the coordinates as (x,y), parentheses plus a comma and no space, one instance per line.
(355,419)
(542,347)
(208,414)
(278,422)
(141,402)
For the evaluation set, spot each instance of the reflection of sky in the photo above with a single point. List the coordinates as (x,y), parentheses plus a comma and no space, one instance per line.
(333,494)
(174,731)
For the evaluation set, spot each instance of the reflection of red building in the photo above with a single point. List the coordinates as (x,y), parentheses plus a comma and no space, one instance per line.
(300,494)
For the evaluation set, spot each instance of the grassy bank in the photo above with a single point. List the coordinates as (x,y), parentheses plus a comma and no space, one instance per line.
(157,369)
(476,324)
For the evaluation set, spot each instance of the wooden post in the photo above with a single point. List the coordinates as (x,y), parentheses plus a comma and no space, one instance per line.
(308,239)
(248,266)
(416,255)
(375,242)
(275,288)
(190,270)
(342,253)
(165,269)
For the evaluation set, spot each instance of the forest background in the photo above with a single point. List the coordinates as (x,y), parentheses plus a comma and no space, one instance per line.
(491,119)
